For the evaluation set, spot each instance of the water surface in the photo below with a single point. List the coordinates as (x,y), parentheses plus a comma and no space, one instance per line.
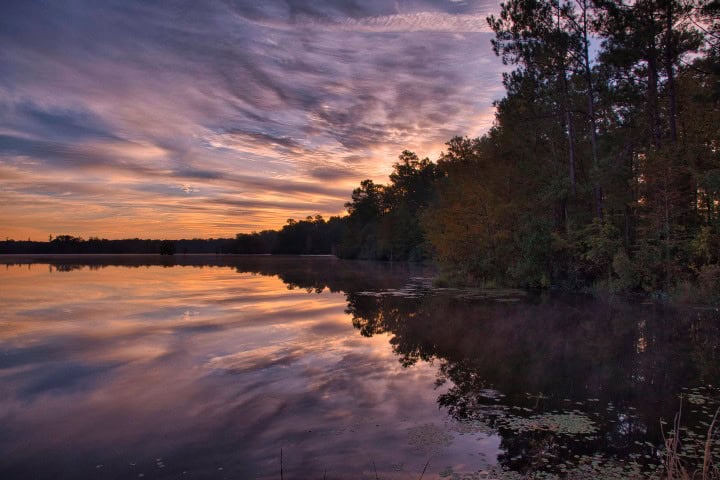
(210,367)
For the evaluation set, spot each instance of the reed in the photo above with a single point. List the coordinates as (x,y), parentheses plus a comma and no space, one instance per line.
(675,467)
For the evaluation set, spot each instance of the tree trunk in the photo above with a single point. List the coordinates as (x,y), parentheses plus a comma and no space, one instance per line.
(670,71)
(651,56)
(567,116)
(652,96)
(597,191)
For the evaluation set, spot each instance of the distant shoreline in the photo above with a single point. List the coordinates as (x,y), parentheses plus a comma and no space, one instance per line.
(39,257)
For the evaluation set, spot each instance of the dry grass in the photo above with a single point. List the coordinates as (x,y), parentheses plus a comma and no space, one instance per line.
(675,468)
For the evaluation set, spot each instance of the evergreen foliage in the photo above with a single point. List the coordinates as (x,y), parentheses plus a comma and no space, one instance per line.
(384,221)
(601,171)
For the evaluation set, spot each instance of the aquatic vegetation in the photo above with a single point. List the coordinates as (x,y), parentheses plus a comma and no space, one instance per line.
(570,423)
(421,286)
(589,468)
(690,452)
(429,437)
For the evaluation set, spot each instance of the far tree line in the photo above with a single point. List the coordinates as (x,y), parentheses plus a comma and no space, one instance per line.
(311,236)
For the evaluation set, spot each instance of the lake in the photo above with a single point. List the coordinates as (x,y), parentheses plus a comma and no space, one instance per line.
(240,367)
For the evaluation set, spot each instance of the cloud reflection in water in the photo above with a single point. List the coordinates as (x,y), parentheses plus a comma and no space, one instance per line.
(205,369)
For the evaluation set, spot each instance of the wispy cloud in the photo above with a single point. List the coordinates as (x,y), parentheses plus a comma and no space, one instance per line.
(135,118)
(393,23)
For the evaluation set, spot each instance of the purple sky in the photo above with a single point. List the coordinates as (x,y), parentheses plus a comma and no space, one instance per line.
(197,119)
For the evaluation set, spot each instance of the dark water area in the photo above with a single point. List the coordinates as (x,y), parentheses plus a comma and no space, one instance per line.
(211,366)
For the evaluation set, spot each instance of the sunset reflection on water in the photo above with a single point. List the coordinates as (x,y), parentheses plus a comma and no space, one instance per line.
(210,366)
(117,372)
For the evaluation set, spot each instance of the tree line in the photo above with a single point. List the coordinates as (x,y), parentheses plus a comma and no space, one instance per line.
(311,236)
(602,167)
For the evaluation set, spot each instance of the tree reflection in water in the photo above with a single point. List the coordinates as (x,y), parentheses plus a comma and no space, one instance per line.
(540,370)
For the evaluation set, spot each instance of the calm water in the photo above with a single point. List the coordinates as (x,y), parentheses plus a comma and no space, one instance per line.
(209,367)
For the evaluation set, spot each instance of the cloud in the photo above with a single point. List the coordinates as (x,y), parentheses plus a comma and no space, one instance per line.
(284,103)
(414,22)
(67,124)
(332,173)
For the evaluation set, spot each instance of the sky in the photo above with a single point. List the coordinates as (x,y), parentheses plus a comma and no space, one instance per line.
(186,119)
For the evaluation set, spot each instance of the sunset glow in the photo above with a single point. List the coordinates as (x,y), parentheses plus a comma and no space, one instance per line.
(123,119)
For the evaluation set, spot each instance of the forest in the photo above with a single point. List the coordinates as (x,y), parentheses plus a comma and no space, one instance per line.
(601,171)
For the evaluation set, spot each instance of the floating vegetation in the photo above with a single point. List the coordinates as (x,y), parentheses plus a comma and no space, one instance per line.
(492,473)
(472,427)
(697,399)
(421,286)
(588,468)
(571,423)
(503,295)
(559,439)
(418,287)
(429,437)
(403,292)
